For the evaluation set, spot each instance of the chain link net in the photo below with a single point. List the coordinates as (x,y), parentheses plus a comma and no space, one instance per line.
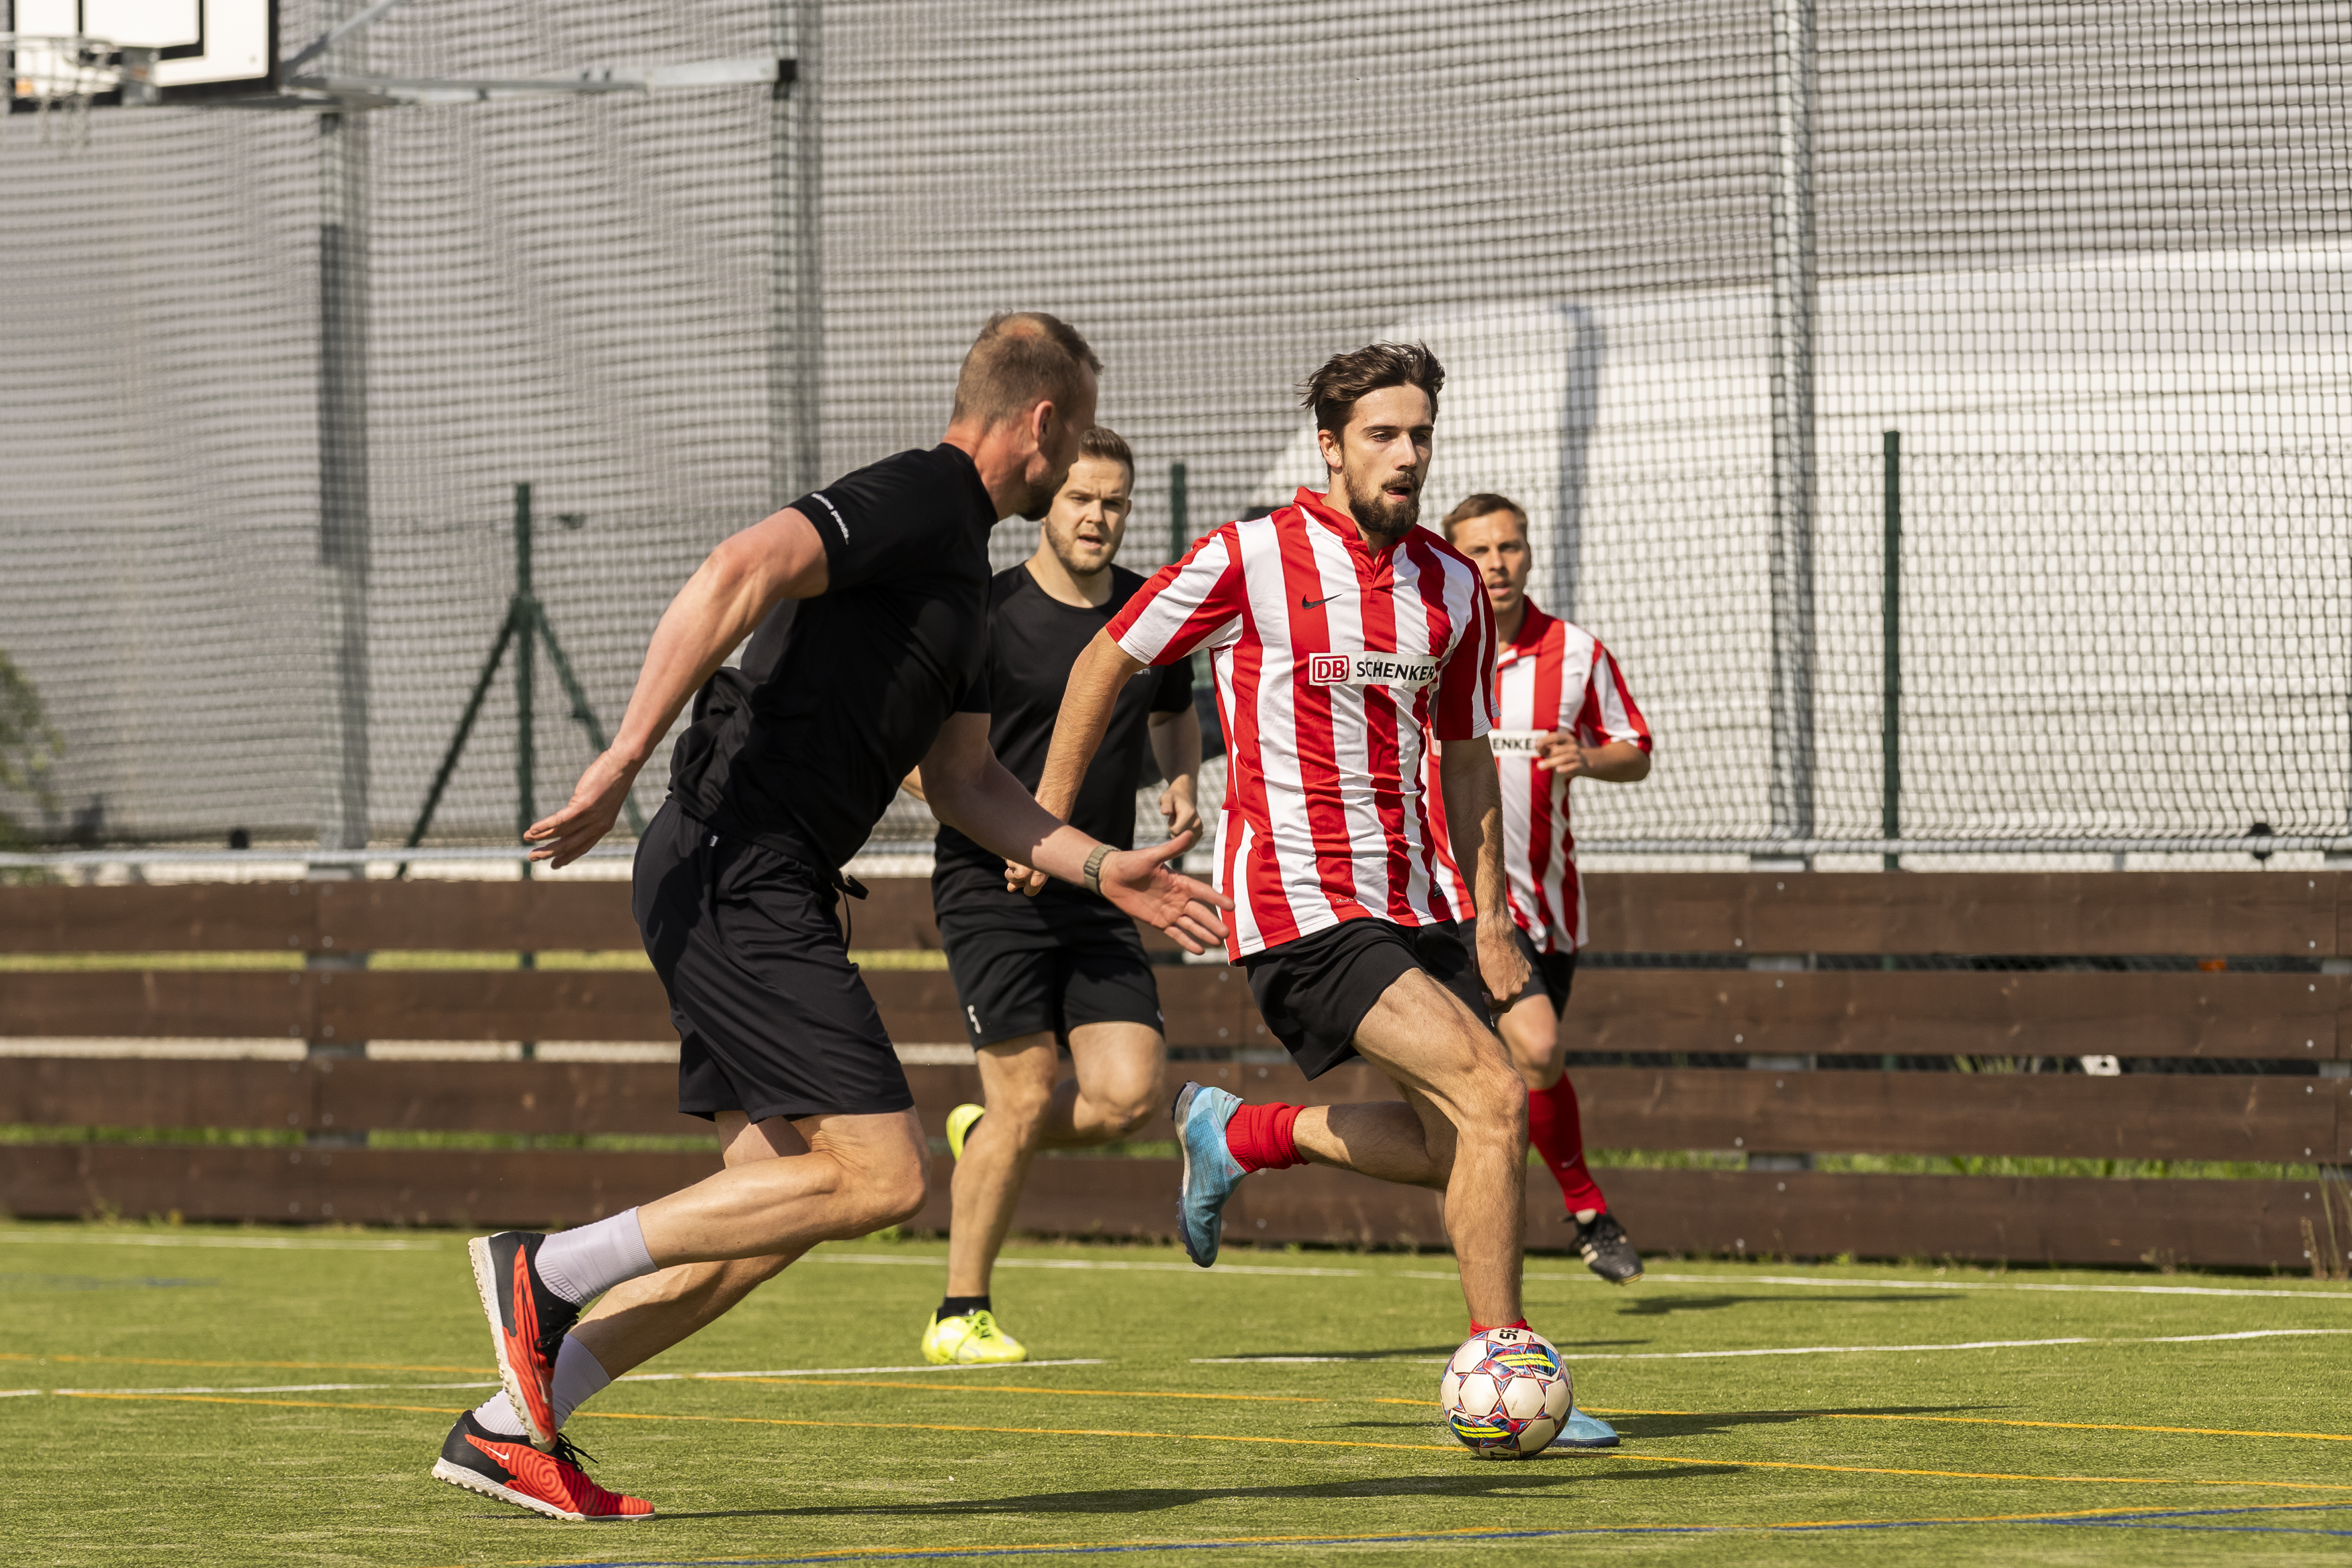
(2089,259)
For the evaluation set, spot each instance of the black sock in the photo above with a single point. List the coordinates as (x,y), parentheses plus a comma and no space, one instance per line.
(958,1306)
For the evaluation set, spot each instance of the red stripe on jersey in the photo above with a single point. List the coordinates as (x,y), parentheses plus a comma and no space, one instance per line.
(1311,705)
(1324,819)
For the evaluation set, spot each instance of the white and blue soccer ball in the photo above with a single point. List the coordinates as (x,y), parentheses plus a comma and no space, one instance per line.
(1505,1394)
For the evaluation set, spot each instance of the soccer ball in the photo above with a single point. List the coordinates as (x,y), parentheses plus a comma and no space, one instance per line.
(1505,1394)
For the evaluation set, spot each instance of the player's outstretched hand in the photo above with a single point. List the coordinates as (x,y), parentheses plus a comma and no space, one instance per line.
(1138,881)
(588,816)
(1501,968)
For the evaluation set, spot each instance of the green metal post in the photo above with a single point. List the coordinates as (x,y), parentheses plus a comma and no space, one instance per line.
(526,663)
(1890,723)
(1179,528)
(530,624)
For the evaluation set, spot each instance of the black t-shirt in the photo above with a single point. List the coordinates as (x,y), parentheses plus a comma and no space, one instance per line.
(840,695)
(1033,639)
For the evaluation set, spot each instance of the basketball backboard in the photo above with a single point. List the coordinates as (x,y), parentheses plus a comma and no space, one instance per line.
(200,49)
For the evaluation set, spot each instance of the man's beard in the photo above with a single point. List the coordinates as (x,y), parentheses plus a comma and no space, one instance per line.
(1065,551)
(1376,513)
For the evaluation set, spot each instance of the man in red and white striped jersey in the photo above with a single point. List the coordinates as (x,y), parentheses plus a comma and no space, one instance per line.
(1564,712)
(1343,639)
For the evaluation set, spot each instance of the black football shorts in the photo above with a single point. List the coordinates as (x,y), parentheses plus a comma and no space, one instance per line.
(773,1017)
(1020,976)
(1313,992)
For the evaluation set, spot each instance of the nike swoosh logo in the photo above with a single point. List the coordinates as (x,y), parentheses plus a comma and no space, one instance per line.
(1305,604)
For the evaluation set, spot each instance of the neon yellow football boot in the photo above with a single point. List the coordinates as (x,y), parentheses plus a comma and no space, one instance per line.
(960,1121)
(971,1339)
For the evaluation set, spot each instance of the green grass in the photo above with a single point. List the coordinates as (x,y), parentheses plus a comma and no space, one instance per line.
(876,1465)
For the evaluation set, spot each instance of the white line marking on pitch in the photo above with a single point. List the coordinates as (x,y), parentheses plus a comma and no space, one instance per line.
(1574,1355)
(273,1243)
(1974,1285)
(263,1388)
(627,1377)
(1450,1278)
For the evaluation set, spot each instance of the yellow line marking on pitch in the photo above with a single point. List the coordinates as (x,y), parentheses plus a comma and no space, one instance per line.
(1974,1475)
(1238,1437)
(273,1366)
(1994,1421)
(2098,1426)
(961,1388)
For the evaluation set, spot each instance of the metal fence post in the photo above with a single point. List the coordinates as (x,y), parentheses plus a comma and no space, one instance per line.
(343,476)
(796,283)
(1179,506)
(1890,718)
(1792,786)
(526,613)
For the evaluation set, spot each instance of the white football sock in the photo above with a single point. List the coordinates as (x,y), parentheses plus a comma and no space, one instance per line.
(578,1374)
(496,1415)
(581,1265)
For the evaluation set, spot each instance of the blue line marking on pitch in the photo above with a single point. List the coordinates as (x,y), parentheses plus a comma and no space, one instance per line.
(2154,1521)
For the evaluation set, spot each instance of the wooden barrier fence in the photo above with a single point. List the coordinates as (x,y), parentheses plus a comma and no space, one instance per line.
(2293,1013)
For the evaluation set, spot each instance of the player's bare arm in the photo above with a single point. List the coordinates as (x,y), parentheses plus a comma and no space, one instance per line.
(722,603)
(971,791)
(1617,762)
(1176,748)
(1473,825)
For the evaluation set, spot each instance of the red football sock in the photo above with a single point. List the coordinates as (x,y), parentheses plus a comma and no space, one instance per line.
(1557,1131)
(1259,1137)
(1490,1328)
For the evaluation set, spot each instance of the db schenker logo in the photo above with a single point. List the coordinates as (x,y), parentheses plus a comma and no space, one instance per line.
(1329,669)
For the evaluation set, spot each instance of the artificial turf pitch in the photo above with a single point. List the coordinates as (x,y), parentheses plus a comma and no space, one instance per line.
(250,1396)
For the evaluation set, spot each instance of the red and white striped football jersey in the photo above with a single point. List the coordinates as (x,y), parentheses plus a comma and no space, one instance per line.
(1335,663)
(1553,676)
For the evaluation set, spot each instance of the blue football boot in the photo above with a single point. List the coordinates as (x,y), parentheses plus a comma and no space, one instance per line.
(1211,1173)
(1584,1431)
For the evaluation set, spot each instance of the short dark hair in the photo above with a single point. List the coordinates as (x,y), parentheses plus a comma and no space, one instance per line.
(1485,503)
(1022,357)
(1109,444)
(1333,390)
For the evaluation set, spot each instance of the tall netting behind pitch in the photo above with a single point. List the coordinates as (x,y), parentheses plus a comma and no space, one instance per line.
(2089,259)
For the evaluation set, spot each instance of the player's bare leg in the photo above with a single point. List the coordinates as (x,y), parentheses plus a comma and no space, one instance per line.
(1116,1091)
(861,1174)
(640,1318)
(1463,1129)
(1538,1048)
(636,1320)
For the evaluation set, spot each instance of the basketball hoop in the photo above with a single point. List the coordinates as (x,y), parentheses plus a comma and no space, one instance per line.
(62,72)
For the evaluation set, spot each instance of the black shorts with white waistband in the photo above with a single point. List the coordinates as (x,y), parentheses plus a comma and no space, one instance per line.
(773,1017)
(1021,970)
(1315,991)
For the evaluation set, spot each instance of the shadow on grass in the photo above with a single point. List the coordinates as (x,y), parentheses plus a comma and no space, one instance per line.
(1649,1306)
(1637,1428)
(1493,1480)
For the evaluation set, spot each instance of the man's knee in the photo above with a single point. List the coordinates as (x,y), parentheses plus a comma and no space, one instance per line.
(897,1191)
(1491,1098)
(1126,1103)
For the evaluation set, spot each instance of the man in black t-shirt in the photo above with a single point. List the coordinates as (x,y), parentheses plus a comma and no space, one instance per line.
(866,607)
(1063,967)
